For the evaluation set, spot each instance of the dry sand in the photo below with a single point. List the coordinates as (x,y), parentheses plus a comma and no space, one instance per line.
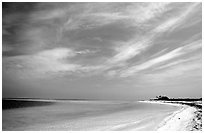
(188,118)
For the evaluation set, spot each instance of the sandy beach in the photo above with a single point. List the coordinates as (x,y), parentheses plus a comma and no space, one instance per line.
(102,116)
(85,116)
(188,118)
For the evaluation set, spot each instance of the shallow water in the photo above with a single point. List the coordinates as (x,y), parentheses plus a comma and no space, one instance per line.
(87,115)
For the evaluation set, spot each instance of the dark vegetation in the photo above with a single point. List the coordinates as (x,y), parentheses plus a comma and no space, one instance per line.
(186,101)
(176,99)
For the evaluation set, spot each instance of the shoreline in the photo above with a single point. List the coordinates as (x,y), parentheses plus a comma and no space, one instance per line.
(188,118)
(182,116)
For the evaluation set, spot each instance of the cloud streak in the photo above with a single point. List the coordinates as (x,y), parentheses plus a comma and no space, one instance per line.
(100,50)
(150,63)
(65,39)
(163,58)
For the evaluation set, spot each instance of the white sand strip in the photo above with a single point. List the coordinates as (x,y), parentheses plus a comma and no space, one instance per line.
(161,102)
(179,120)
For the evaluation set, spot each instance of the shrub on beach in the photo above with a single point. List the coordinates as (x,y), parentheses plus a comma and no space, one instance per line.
(162,98)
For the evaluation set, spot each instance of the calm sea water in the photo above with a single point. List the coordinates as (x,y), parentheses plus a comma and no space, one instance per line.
(86,115)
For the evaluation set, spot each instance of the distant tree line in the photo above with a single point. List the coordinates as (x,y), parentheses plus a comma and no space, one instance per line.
(176,99)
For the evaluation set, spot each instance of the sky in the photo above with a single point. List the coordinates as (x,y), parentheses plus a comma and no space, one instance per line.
(109,51)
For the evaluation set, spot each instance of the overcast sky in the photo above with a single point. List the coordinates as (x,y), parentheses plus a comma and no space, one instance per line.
(102,50)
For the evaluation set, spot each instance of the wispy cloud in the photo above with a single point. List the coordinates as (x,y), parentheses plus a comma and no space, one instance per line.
(146,12)
(177,62)
(180,70)
(127,13)
(173,22)
(60,22)
(46,63)
(163,58)
(150,63)
(57,53)
(128,51)
(135,47)
(117,47)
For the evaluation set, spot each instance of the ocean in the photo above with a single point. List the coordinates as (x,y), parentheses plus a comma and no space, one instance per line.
(82,115)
